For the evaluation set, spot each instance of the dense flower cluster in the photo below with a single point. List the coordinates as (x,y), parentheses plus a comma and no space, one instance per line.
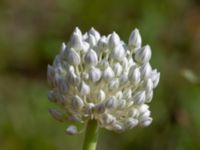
(103,78)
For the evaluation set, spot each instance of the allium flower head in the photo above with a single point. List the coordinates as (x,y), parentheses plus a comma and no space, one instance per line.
(102,78)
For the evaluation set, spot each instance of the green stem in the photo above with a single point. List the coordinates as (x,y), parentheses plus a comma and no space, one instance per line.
(91,135)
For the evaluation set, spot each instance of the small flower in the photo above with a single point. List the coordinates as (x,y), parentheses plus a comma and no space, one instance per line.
(72,130)
(143,55)
(102,78)
(91,57)
(94,74)
(135,40)
(73,57)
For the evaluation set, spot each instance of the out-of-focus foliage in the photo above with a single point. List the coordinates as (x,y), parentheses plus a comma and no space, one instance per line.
(31,32)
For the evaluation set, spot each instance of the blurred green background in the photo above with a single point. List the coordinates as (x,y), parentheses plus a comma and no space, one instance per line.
(31,32)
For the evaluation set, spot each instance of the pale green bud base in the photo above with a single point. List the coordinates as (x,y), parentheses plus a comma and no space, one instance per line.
(91,135)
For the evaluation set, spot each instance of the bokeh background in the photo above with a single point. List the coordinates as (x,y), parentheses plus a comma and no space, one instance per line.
(31,33)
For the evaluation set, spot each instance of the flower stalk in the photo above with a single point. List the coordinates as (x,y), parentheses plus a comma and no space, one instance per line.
(91,135)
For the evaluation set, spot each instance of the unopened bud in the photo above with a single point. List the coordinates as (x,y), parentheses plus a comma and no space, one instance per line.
(143,55)
(91,40)
(111,102)
(146,121)
(118,52)
(135,40)
(56,114)
(134,75)
(72,130)
(95,74)
(76,41)
(84,89)
(91,57)
(101,96)
(114,40)
(145,70)
(155,77)
(117,68)
(139,97)
(131,122)
(73,57)
(77,103)
(95,33)
(108,74)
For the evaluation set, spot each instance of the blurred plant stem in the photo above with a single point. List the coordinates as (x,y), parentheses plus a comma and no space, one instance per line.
(91,135)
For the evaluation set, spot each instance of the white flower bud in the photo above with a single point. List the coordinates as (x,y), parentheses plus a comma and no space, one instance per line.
(131,122)
(63,47)
(101,96)
(134,75)
(91,57)
(71,130)
(146,121)
(91,40)
(103,44)
(143,108)
(114,84)
(123,79)
(56,114)
(76,41)
(155,77)
(143,55)
(71,76)
(117,68)
(84,89)
(77,103)
(148,86)
(56,97)
(114,40)
(78,31)
(145,70)
(127,94)
(139,97)
(85,47)
(85,36)
(73,57)
(149,96)
(94,74)
(118,53)
(111,102)
(95,33)
(146,113)
(108,73)
(135,40)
